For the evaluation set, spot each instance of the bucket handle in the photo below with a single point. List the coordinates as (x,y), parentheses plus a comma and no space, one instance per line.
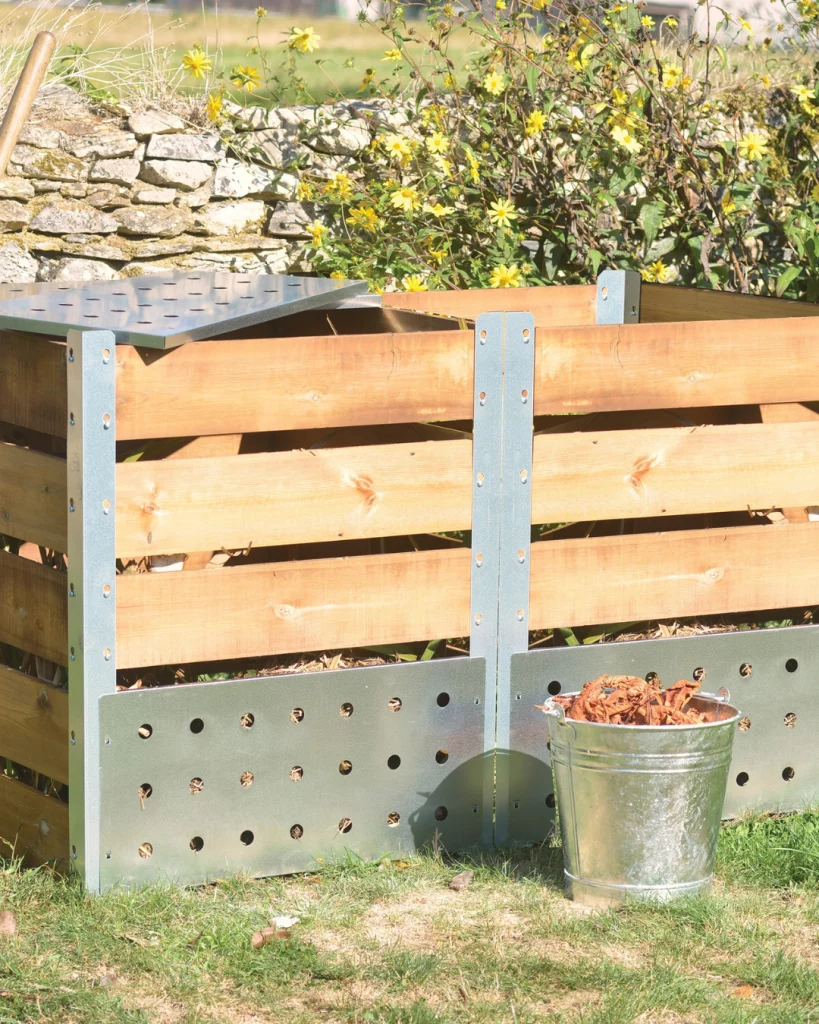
(552,708)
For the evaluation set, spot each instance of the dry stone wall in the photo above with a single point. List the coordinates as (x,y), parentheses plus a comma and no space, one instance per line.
(95,195)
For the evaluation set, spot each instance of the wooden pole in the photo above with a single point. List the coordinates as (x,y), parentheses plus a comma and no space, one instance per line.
(24,94)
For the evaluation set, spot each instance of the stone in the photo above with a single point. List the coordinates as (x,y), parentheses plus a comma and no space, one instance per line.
(13,215)
(16,188)
(41,137)
(146,250)
(276,261)
(16,265)
(51,165)
(108,197)
(74,191)
(289,220)
(106,146)
(230,218)
(155,196)
(202,148)
(121,171)
(237,243)
(56,101)
(65,217)
(340,139)
(154,122)
(276,147)
(197,199)
(46,186)
(76,270)
(159,221)
(182,174)
(112,249)
(235,180)
(138,268)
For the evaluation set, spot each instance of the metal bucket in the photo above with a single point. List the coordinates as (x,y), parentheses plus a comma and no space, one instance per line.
(640,805)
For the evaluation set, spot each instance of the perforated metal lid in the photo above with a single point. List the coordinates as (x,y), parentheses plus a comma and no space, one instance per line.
(166,310)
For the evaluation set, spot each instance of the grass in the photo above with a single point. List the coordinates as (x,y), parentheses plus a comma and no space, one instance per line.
(391,943)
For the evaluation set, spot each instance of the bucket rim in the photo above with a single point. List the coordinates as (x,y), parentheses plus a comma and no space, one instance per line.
(555,710)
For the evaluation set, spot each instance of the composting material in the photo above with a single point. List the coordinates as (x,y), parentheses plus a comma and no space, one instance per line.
(629,700)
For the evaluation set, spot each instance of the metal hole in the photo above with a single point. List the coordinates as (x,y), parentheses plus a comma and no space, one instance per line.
(297,715)
(441,813)
(346,709)
(197,725)
(524,395)
(395,704)
(106,591)
(246,838)
(393,819)
(106,352)
(247,720)
(744,724)
(345,825)
(480,479)
(745,669)
(106,420)
(526,334)
(442,700)
(554,688)
(70,504)
(524,476)
(742,779)
(791,665)
(196,785)
(478,619)
(550,800)
(145,790)
(107,654)
(296,831)
(345,767)
(145,850)
(393,761)
(197,844)
(604,292)
(247,779)
(521,555)
(145,732)
(698,675)
(790,720)
(442,756)
(106,506)
(788,774)
(297,773)
(652,677)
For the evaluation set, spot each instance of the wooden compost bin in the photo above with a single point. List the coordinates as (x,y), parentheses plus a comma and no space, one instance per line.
(330,453)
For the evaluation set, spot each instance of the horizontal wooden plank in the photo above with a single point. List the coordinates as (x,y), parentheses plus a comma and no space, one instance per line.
(241,386)
(256,610)
(664,303)
(675,365)
(274,498)
(32,382)
(33,607)
(33,825)
(620,474)
(34,724)
(653,576)
(33,502)
(560,305)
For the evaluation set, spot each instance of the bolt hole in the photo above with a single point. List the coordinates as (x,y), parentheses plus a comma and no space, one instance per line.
(393,761)
(297,773)
(196,785)
(442,756)
(526,333)
(554,688)
(345,825)
(745,669)
(699,675)
(145,790)
(483,335)
(524,476)
(106,420)
(346,709)
(197,725)
(247,779)
(393,819)
(788,774)
(478,619)
(790,720)
(604,292)
(197,844)
(107,654)
(441,813)
(145,732)
(70,504)
(791,665)
(246,838)
(296,831)
(145,850)
(744,724)
(247,720)
(524,394)
(106,354)
(106,506)
(395,704)
(480,479)
(550,800)
(345,767)
(521,555)
(442,700)
(479,559)
(106,591)
(482,396)
(742,779)
(297,715)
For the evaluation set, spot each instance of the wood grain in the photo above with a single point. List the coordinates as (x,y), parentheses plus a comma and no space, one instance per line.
(32,382)
(675,365)
(242,386)
(622,474)
(664,303)
(33,825)
(34,724)
(33,501)
(256,610)
(795,412)
(574,304)
(33,607)
(293,497)
(673,575)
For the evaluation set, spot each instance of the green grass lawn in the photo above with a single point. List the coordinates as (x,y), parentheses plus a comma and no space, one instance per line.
(392,943)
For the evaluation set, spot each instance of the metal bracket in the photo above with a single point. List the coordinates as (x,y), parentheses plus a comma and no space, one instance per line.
(618,297)
(91,468)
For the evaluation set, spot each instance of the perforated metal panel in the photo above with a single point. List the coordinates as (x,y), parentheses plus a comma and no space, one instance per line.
(771,675)
(264,775)
(167,310)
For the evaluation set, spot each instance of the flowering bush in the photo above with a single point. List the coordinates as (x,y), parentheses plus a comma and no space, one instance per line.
(569,140)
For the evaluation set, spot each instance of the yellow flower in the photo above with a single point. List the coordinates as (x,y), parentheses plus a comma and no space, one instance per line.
(766,81)
(814,194)
(802,93)
(196,63)
(505,277)
(672,75)
(364,217)
(414,283)
(500,5)
(494,83)
(753,146)
(438,255)
(535,123)
(448,10)
(647,22)
(214,106)
(405,199)
(440,210)
(473,168)
(337,275)
(437,143)
(727,203)
(617,8)
(658,271)
(392,55)
(305,190)
(671,22)
(619,97)
(246,78)
(397,147)
(340,186)
(746,25)
(368,77)
(624,137)
(442,164)
(316,231)
(305,40)
(261,12)
(501,213)
(449,82)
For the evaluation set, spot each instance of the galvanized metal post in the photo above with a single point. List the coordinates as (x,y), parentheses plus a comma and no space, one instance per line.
(91,454)
(618,297)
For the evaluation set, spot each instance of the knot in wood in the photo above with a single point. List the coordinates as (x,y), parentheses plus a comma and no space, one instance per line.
(285,611)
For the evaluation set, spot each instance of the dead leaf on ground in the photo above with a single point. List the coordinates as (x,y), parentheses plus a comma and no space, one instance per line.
(461,881)
(743,992)
(143,943)
(8,922)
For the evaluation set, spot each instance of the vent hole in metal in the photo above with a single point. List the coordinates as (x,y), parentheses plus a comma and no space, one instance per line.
(145,850)
(396,704)
(554,688)
(145,791)
(247,720)
(247,779)
(347,766)
(393,761)
(345,825)
(791,665)
(393,819)
(745,669)
(788,774)
(297,773)
(441,813)
(246,838)
(744,724)
(196,785)
(197,725)
(296,831)
(197,844)
(742,779)
(297,715)
(442,756)
(550,800)
(442,700)
(698,675)
(145,732)
(790,720)
(346,709)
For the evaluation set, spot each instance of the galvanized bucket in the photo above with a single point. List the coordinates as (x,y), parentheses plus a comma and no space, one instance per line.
(640,805)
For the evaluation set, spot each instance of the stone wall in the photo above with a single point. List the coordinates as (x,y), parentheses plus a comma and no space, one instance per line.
(93,195)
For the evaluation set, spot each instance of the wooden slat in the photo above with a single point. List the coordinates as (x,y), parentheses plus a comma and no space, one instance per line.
(256,610)
(620,474)
(664,303)
(565,305)
(34,724)
(676,365)
(33,502)
(674,575)
(33,607)
(795,412)
(293,497)
(35,825)
(32,383)
(242,386)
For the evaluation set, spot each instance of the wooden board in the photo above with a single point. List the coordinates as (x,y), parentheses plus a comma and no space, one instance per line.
(32,382)
(664,303)
(293,497)
(560,305)
(653,576)
(242,386)
(620,474)
(34,724)
(33,501)
(795,412)
(33,825)
(33,607)
(256,610)
(675,365)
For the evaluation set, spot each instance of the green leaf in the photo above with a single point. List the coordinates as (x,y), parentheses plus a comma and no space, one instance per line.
(595,258)
(785,279)
(569,637)
(531,80)
(660,248)
(651,220)
(430,650)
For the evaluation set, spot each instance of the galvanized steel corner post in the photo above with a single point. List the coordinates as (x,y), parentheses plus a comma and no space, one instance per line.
(501,530)
(91,468)
(618,297)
